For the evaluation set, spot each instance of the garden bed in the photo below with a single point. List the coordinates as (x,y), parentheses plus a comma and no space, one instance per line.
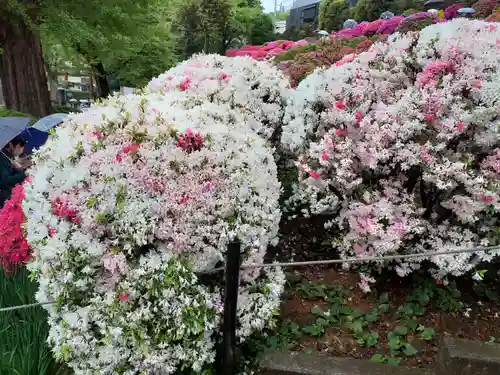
(401,322)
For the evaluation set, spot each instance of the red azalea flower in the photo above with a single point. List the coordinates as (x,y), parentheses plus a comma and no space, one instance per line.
(124,297)
(341,132)
(314,174)
(190,141)
(487,198)
(340,104)
(184,85)
(14,248)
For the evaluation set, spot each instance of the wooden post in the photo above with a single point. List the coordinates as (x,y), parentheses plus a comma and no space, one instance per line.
(230,303)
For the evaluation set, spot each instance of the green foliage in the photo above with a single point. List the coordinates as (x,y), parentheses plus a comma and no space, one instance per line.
(5,112)
(23,349)
(293,52)
(214,26)
(370,10)
(280,16)
(131,39)
(333,13)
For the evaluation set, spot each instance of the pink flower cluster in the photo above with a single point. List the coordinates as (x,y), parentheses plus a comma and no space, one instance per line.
(14,250)
(384,27)
(266,51)
(405,148)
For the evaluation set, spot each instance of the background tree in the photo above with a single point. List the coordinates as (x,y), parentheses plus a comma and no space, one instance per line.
(370,10)
(127,38)
(333,13)
(22,69)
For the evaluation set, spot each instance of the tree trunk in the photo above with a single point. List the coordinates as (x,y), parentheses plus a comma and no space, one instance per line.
(22,68)
(52,79)
(101,80)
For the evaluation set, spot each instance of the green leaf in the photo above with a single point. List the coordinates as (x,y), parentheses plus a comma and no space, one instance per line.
(372,316)
(355,326)
(384,298)
(379,358)
(314,330)
(412,324)
(427,334)
(409,350)
(400,331)
(384,307)
(394,344)
(393,361)
(317,311)
(371,339)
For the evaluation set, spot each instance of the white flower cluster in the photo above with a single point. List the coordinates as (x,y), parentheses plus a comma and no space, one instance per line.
(242,88)
(127,204)
(401,145)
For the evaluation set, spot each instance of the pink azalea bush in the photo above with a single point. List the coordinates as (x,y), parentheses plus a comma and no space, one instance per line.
(451,11)
(384,27)
(401,146)
(267,51)
(14,250)
(245,91)
(128,203)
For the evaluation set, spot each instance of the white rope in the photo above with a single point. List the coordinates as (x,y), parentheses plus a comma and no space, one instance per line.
(313,263)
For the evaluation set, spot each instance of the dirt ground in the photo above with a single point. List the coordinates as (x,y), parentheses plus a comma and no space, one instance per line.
(475,320)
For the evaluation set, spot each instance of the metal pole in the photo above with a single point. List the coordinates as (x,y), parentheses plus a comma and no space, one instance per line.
(230,304)
(275,16)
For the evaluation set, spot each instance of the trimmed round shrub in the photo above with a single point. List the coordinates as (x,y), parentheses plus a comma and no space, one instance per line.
(400,147)
(484,8)
(129,204)
(254,89)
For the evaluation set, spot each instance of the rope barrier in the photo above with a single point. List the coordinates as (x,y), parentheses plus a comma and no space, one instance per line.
(312,263)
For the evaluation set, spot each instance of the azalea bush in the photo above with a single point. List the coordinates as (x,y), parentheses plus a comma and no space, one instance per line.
(451,11)
(130,204)
(327,53)
(251,91)
(484,8)
(417,22)
(494,17)
(400,146)
(269,50)
(14,250)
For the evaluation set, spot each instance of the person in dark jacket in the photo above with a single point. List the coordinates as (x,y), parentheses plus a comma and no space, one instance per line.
(11,172)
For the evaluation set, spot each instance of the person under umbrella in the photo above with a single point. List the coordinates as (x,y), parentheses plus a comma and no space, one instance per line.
(11,170)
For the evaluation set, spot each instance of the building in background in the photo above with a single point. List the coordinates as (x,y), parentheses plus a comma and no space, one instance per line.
(303,12)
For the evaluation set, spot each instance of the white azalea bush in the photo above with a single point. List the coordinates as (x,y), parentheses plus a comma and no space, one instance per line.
(240,86)
(401,146)
(126,206)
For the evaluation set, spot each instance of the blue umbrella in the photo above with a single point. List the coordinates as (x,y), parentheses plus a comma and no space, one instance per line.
(34,139)
(386,15)
(466,11)
(49,122)
(350,24)
(10,128)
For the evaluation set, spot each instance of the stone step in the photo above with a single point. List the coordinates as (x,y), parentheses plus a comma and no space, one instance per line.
(289,363)
(466,357)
